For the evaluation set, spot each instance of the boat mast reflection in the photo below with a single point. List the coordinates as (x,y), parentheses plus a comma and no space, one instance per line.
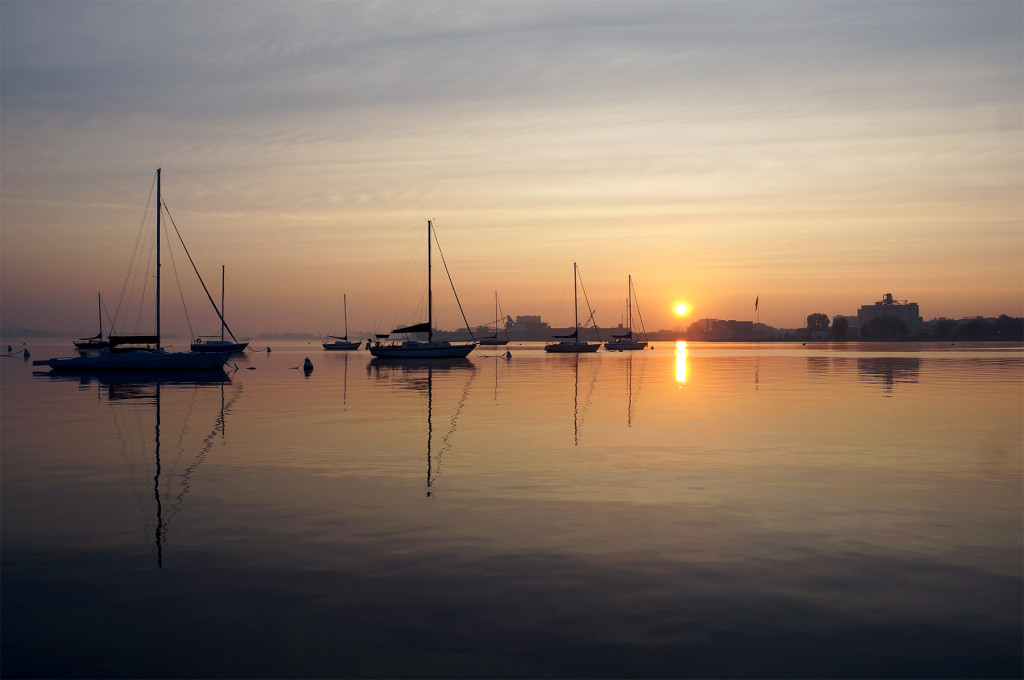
(144,388)
(630,395)
(419,375)
(579,411)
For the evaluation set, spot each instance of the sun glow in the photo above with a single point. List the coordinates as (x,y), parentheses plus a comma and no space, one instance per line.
(681,309)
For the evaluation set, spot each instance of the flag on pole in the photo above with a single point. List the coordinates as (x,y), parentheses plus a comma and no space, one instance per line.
(756,300)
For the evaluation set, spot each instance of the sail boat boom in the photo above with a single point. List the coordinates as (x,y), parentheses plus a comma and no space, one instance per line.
(415,328)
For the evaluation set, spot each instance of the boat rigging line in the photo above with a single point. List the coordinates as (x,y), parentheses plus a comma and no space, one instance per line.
(126,287)
(592,312)
(452,283)
(177,281)
(220,315)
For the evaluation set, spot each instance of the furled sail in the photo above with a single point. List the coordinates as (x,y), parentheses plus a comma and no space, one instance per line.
(133,340)
(415,328)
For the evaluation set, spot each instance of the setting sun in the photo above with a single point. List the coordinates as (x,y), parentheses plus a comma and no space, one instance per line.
(681,309)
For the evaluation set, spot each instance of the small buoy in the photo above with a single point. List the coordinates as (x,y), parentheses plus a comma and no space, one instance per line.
(307,365)
(27,355)
(508,354)
(268,350)
(9,348)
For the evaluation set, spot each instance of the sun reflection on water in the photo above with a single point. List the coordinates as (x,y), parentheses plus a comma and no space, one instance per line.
(681,361)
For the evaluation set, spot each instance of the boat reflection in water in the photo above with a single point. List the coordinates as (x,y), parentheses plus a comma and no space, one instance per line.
(889,371)
(145,391)
(419,376)
(343,358)
(631,394)
(580,409)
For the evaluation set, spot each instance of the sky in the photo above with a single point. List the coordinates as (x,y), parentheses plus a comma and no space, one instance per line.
(810,155)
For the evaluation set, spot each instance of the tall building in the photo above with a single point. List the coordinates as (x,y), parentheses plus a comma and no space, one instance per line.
(907,312)
(527,327)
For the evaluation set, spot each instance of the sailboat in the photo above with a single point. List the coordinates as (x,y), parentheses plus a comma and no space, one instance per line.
(211,343)
(494,340)
(572,343)
(96,341)
(154,358)
(626,341)
(417,349)
(342,341)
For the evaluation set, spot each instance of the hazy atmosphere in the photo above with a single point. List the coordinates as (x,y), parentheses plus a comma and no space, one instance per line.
(813,155)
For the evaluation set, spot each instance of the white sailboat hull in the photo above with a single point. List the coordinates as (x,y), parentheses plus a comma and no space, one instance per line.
(414,349)
(139,360)
(218,346)
(572,347)
(341,344)
(619,345)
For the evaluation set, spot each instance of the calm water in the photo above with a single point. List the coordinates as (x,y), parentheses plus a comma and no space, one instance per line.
(713,511)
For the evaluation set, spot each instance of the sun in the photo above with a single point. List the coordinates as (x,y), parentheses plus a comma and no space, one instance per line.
(681,309)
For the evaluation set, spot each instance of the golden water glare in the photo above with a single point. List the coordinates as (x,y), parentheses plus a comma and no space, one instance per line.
(681,361)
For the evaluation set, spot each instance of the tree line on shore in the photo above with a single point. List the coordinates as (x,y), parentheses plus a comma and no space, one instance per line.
(820,327)
(892,328)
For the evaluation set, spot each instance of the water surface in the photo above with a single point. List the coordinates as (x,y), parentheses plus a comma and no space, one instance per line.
(696,511)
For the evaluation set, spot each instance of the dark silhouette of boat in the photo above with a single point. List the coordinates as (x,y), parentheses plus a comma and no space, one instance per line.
(571,343)
(124,352)
(418,349)
(96,341)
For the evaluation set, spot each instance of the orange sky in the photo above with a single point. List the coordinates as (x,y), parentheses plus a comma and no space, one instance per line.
(813,156)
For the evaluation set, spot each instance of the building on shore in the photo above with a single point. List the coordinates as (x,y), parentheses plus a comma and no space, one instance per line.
(907,312)
(528,327)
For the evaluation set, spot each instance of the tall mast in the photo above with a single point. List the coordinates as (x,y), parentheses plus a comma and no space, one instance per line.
(222,322)
(629,304)
(430,291)
(344,299)
(99,311)
(575,302)
(158,204)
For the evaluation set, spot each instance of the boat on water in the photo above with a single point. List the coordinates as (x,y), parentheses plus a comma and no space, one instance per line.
(626,341)
(125,353)
(420,349)
(571,343)
(212,343)
(96,341)
(341,342)
(493,340)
